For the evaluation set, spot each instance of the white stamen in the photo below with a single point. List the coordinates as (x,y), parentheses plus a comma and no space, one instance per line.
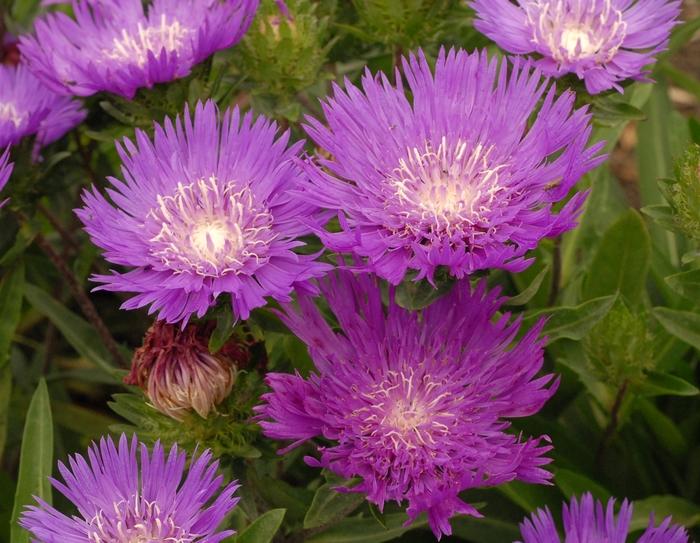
(134,46)
(446,188)
(209,229)
(136,520)
(574,30)
(8,112)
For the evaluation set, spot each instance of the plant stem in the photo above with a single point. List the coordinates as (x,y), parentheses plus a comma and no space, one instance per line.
(66,236)
(86,157)
(612,425)
(86,305)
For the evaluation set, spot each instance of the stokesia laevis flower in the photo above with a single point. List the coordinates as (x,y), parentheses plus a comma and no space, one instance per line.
(124,494)
(5,172)
(118,46)
(603,42)
(205,209)
(29,108)
(178,373)
(590,522)
(416,404)
(463,176)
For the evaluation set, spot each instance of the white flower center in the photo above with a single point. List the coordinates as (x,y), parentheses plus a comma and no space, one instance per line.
(133,47)
(445,188)
(575,30)
(136,521)
(407,410)
(575,39)
(210,229)
(8,112)
(209,238)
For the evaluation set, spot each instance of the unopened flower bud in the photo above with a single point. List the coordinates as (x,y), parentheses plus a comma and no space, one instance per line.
(285,49)
(683,194)
(178,373)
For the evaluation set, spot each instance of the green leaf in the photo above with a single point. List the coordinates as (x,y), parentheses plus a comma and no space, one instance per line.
(527,497)
(662,215)
(24,11)
(683,511)
(77,332)
(484,530)
(621,262)
(680,78)
(575,484)
(414,295)
(667,434)
(329,505)
(685,325)
(263,528)
(81,420)
(687,284)
(682,34)
(5,393)
(223,330)
(571,322)
(366,530)
(665,384)
(660,137)
(36,459)
(11,293)
(529,292)
(281,494)
(610,110)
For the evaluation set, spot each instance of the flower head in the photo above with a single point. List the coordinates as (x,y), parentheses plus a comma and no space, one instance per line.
(5,171)
(603,42)
(588,521)
(124,497)
(204,209)
(118,46)
(178,373)
(28,108)
(415,404)
(464,176)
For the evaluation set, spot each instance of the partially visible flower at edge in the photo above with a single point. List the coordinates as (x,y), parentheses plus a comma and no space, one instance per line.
(416,404)
(603,42)
(178,373)
(29,108)
(465,176)
(5,172)
(116,46)
(588,521)
(123,496)
(205,209)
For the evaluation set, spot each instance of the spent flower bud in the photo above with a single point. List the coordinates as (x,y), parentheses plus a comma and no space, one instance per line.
(178,373)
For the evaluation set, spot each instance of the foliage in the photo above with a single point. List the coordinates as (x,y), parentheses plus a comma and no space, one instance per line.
(620,295)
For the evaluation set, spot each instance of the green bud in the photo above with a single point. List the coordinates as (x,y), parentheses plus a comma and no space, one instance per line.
(283,54)
(403,23)
(620,347)
(683,194)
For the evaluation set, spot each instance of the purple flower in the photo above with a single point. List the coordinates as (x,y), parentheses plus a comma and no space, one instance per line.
(603,42)
(205,209)
(121,499)
(115,46)
(5,172)
(414,404)
(589,522)
(464,175)
(28,108)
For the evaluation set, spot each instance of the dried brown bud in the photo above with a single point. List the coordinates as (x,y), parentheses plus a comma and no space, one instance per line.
(178,373)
